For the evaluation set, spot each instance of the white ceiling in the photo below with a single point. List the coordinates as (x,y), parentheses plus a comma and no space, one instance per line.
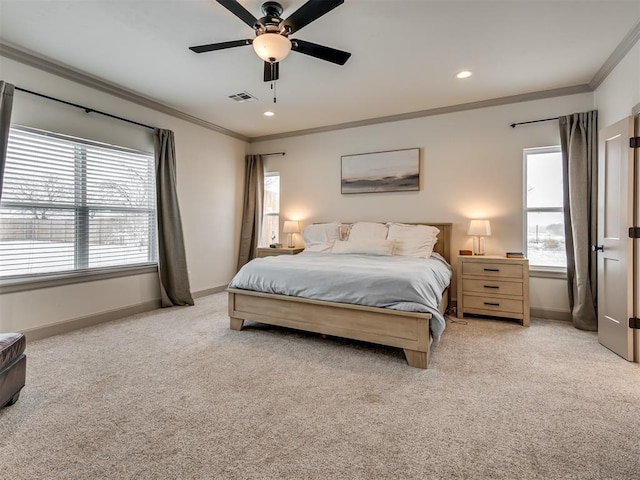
(405,54)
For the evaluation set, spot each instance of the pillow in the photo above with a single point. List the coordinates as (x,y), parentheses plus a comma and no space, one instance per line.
(413,240)
(368,231)
(367,247)
(319,237)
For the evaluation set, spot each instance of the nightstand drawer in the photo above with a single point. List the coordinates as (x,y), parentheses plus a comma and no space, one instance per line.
(499,305)
(492,287)
(489,269)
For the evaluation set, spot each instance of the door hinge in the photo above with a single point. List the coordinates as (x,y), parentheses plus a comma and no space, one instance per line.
(634,232)
(634,323)
(634,142)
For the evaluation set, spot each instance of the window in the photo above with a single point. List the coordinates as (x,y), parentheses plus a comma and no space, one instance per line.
(271,210)
(73,205)
(544,218)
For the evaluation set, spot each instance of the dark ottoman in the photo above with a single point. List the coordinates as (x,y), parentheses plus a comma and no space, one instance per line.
(13,367)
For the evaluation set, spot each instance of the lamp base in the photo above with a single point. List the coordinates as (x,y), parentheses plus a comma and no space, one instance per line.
(290,242)
(478,245)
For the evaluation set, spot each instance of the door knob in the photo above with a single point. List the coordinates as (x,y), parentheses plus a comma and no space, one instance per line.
(595,248)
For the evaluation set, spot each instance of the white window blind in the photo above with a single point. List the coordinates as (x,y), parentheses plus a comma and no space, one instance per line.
(70,204)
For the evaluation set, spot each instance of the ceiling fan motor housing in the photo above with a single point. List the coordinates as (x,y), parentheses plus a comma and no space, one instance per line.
(271,21)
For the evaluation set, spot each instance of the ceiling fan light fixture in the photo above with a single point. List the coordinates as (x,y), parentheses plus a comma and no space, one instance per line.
(272,47)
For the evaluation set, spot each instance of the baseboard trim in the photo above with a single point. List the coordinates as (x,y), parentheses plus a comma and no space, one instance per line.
(67,326)
(209,291)
(551,314)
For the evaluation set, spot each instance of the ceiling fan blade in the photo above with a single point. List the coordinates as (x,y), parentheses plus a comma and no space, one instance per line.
(320,51)
(220,46)
(271,71)
(239,11)
(307,13)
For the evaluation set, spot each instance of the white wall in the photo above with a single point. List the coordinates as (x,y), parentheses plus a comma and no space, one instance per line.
(210,170)
(471,168)
(620,91)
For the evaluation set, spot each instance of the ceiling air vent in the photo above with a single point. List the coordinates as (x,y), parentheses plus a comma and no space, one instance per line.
(243,97)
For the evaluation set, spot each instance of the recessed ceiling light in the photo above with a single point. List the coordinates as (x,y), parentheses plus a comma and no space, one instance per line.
(464,74)
(269,114)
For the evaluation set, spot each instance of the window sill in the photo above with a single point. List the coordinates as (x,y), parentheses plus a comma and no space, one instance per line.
(548,272)
(60,279)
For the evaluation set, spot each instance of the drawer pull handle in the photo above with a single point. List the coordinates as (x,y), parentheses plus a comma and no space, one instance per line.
(491,286)
(491,269)
(492,304)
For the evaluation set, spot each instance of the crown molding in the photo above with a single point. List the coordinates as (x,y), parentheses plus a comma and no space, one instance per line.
(34,60)
(616,56)
(493,102)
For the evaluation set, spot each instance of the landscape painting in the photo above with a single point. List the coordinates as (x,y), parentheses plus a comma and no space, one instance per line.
(393,171)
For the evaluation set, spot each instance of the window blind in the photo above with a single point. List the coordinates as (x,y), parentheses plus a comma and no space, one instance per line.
(70,204)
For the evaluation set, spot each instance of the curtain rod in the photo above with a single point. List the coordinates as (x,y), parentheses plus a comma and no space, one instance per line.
(514,125)
(270,154)
(86,109)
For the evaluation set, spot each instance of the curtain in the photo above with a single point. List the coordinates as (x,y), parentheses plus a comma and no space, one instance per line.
(6,103)
(252,209)
(172,263)
(579,141)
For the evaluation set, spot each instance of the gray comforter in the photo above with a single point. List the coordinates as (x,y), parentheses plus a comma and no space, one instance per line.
(400,283)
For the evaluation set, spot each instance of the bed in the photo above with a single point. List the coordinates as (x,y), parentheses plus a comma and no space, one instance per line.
(409,330)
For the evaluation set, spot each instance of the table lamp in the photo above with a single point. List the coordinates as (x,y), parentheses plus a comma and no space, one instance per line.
(479,229)
(290,227)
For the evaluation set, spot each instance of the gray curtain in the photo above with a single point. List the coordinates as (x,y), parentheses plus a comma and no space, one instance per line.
(252,208)
(172,263)
(6,103)
(579,140)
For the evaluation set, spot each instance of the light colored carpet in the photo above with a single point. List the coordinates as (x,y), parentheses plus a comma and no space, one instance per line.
(175,394)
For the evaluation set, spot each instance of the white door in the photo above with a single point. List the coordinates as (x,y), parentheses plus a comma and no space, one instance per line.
(615,216)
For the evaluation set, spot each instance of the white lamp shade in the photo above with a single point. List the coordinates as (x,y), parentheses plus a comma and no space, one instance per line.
(291,226)
(272,47)
(479,228)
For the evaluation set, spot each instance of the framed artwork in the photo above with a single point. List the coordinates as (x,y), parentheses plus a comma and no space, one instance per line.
(393,171)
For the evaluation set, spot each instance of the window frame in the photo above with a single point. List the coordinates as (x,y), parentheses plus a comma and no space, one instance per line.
(271,214)
(548,271)
(81,271)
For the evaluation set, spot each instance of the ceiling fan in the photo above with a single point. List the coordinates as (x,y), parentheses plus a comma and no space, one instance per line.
(271,42)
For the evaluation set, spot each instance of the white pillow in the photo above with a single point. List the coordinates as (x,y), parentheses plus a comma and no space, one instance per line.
(413,240)
(368,231)
(367,247)
(319,237)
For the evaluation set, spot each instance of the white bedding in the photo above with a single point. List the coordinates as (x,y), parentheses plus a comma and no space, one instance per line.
(399,283)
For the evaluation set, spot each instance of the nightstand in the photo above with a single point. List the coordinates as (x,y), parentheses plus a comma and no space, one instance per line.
(494,286)
(270,252)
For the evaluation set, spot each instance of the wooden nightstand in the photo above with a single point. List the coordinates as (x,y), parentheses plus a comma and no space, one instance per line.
(494,286)
(270,252)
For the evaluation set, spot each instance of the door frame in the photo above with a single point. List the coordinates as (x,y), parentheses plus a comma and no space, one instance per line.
(635,112)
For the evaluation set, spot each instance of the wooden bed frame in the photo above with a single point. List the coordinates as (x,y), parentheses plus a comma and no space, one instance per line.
(406,330)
